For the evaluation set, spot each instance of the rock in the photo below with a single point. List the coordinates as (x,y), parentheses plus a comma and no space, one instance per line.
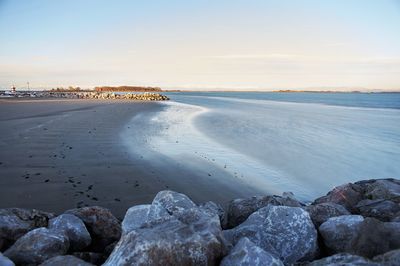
(396,219)
(4,261)
(320,213)
(247,253)
(35,217)
(102,225)
(391,258)
(74,229)
(365,237)
(67,260)
(216,209)
(11,228)
(286,232)
(384,210)
(139,215)
(347,195)
(37,246)
(338,232)
(343,259)
(173,201)
(15,222)
(376,237)
(177,233)
(388,189)
(135,217)
(91,257)
(240,209)
(170,242)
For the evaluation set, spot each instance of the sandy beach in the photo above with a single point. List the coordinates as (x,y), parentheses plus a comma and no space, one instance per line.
(61,154)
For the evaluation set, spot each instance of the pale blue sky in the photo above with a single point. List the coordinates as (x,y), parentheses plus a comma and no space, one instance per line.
(201,44)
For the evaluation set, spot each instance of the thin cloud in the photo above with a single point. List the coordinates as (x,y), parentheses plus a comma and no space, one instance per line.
(255,56)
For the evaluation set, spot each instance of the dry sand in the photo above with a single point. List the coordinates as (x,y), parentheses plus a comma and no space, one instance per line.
(61,154)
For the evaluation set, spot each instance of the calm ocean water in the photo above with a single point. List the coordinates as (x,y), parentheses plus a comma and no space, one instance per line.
(306,143)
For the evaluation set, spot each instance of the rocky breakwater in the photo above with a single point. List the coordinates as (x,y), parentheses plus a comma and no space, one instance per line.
(354,224)
(146,96)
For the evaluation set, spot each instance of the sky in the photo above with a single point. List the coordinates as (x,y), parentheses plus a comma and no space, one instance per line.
(201,44)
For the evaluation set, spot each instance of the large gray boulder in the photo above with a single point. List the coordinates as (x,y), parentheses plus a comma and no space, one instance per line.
(320,213)
(343,259)
(102,225)
(74,229)
(67,260)
(15,222)
(339,232)
(347,195)
(37,246)
(246,253)
(170,242)
(286,232)
(4,261)
(240,209)
(172,231)
(381,209)
(391,258)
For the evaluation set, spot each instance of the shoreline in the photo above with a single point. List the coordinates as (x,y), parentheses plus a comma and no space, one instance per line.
(57,154)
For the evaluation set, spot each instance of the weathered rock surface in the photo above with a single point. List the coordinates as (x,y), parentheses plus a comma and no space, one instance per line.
(67,260)
(170,242)
(15,222)
(240,209)
(320,213)
(246,253)
(140,215)
(391,258)
(102,225)
(74,229)
(343,259)
(173,202)
(396,219)
(388,189)
(384,210)
(286,232)
(339,232)
(347,195)
(37,246)
(376,237)
(384,193)
(216,209)
(4,261)
(184,235)
(365,237)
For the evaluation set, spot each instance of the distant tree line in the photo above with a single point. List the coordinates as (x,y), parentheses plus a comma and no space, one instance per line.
(128,88)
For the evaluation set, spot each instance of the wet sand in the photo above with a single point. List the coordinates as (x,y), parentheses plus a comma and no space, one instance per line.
(61,154)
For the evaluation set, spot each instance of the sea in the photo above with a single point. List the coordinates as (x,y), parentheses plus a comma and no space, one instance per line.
(306,143)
